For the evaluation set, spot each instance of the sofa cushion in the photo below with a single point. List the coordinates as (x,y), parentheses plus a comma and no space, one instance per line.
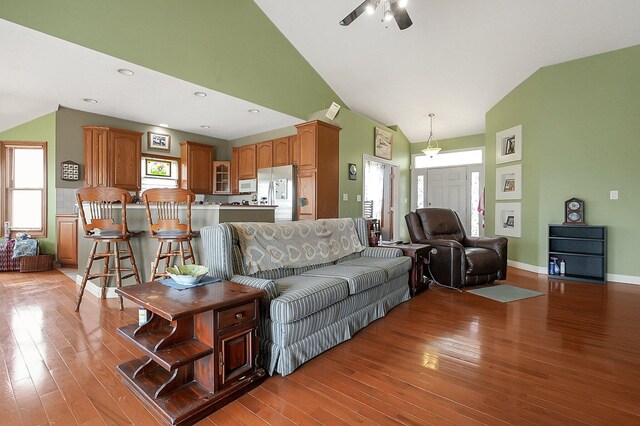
(359,278)
(302,295)
(394,266)
(481,261)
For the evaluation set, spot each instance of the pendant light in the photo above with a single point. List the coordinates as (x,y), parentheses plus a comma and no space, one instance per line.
(432,148)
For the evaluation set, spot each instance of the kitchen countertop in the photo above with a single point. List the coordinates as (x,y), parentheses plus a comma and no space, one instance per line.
(210,206)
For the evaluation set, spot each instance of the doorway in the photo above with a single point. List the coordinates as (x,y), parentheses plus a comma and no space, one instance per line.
(455,181)
(380,189)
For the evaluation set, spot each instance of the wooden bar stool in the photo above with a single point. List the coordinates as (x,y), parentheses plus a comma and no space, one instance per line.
(163,215)
(103,228)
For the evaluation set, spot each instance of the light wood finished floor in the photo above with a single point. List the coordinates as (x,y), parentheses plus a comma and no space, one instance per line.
(569,357)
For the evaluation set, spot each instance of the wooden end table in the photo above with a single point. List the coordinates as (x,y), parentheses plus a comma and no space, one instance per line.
(200,347)
(419,254)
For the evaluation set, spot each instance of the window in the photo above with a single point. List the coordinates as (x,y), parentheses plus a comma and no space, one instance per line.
(448,159)
(24,186)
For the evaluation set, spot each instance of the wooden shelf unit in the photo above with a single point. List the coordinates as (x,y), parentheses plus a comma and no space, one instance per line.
(584,250)
(200,348)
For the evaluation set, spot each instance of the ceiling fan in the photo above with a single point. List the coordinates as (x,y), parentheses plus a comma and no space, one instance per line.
(391,9)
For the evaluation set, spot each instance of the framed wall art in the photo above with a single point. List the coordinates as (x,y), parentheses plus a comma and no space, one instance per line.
(509,145)
(508,219)
(383,144)
(509,182)
(157,168)
(159,141)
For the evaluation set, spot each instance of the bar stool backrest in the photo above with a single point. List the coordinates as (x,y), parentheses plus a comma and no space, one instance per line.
(100,202)
(163,212)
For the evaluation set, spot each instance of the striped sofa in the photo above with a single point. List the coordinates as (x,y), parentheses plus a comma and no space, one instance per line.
(309,309)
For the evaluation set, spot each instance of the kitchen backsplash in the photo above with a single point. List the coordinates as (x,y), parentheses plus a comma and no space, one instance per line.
(66,201)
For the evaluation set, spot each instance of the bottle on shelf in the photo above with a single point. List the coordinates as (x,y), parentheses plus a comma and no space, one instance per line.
(563,267)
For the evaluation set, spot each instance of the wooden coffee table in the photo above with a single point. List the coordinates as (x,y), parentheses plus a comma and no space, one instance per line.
(200,348)
(419,254)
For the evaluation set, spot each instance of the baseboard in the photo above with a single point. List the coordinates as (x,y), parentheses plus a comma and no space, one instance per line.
(96,289)
(542,270)
(624,279)
(527,267)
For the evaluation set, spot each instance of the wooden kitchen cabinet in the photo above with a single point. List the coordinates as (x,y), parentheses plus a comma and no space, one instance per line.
(294,150)
(318,170)
(112,157)
(221,177)
(67,251)
(281,152)
(247,162)
(264,155)
(235,162)
(196,161)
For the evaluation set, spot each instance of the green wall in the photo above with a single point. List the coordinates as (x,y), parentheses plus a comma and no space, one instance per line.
(42,129)
(451,144)
(224,45)
(357,138)
(580,139)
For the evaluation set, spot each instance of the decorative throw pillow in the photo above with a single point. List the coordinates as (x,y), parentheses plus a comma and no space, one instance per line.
(25,248)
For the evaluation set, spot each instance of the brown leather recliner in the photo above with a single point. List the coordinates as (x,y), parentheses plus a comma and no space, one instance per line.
(460,260)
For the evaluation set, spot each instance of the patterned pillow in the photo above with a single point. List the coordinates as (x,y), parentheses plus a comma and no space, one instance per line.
(27,247)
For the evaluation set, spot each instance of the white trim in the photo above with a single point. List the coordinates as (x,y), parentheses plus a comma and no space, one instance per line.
(624,279)
(542,270)
(96,289)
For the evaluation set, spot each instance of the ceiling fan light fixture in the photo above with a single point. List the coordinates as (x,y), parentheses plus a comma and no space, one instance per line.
(402,3)
(388,14)
(371,6)
(432,148)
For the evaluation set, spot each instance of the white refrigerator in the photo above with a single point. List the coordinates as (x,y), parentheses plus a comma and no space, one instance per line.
(277,187)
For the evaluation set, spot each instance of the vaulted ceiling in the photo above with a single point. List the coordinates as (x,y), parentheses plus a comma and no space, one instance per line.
(457,60)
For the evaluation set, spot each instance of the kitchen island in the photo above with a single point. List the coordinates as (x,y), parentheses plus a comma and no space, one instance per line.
(144,247)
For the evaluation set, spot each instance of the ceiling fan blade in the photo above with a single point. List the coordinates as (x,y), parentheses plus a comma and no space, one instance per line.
(401,16)
(353,15)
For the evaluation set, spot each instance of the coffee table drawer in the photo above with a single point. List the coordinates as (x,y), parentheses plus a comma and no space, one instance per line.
(237,315)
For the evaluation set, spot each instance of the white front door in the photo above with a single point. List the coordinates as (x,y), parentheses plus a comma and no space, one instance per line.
(447,189)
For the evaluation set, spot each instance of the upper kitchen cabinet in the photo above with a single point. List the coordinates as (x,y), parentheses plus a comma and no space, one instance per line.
(221,177)
(281,152)
(264,155)
(112,157)
(247,162)
(196,167)
(235,162)
(318,169)
(294,150)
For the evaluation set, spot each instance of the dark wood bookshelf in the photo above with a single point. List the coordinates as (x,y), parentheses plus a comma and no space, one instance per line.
(584,250)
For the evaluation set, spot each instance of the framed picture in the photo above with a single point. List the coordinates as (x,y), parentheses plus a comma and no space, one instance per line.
(157,168)
(509,145)
(508,219)
(509,182)
(383,144)
(159,141)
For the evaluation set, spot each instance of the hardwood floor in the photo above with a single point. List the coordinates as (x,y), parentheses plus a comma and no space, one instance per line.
(569,357)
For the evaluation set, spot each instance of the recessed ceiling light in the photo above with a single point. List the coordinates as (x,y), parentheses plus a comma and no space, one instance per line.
(90,100)
(254,111)
(200,94)
(163,125)
(125,71)
(205,126)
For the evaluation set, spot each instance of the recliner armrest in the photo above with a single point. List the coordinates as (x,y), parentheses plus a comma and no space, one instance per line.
(497,244)
(493,243)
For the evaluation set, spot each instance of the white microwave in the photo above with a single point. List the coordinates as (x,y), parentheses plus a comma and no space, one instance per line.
(247,185)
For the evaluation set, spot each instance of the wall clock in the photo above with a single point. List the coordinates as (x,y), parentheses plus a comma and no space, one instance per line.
(574,212)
